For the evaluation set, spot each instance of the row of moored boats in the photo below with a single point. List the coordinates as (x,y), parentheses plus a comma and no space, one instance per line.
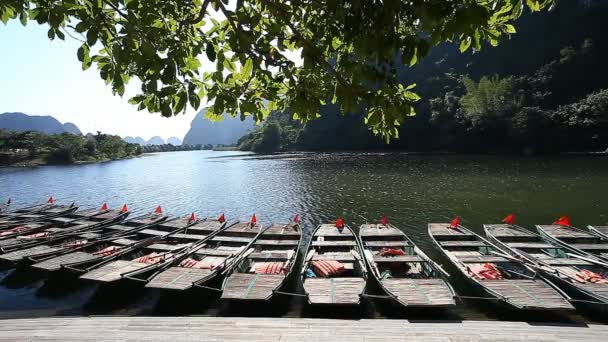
(548,270)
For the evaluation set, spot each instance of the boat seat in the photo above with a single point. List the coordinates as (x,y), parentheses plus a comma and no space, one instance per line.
(269,255)
(482,259)
(345,257)
(153,232)
(113,271)
(193,237)
(530,245)
(119,227)
(333,243)
(398,258)
(402,243)
(277,242)
(475,243)
(124,242)
(244,240)
(166,247)
(214,252)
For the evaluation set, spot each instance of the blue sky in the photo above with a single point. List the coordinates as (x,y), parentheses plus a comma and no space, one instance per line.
(43,77)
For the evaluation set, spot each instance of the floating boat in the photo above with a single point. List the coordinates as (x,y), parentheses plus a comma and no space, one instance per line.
(206,261)
(35,213)
(90,245)
(198,233)
(334,271)
(402,270)
(501,277)
(56,238)
(583,277)
(583,242)
(266,266)
(137,251)
(601,231)
(27,234)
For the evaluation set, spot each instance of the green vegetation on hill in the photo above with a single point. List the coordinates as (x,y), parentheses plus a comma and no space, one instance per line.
(34,148)
(525,96)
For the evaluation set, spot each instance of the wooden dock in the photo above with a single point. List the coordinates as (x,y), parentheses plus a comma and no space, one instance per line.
(286,329)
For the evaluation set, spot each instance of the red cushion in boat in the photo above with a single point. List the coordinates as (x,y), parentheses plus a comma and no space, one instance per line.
(327,268)
(269,268)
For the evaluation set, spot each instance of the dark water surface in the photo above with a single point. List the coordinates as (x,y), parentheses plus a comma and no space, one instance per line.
(412,190)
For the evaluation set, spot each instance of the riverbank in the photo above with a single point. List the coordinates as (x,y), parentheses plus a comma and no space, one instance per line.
(286,329)
(44,160)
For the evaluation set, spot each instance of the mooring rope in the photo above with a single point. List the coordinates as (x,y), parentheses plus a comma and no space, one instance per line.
(210,288)
(472,297)
(586,301)
(291,294)
(375,296)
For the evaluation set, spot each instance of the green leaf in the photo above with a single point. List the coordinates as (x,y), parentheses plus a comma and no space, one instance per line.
(51,33)
(228,64)
(210,51)
(510,28)
(465,44)
(92,36)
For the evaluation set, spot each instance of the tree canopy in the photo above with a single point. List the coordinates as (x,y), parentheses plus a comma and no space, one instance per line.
(349,50)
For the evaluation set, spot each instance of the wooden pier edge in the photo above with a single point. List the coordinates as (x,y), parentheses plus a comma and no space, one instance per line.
(117,328)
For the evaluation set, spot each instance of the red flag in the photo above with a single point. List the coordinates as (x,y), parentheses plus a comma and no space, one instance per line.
(339,222)
(221,219)
(192,218)
(124,209)
(104,206)
(384,220)
(50,200)
(509,219)
(158,210)
(253,220)
(455,222)
(563,221)
(296,219)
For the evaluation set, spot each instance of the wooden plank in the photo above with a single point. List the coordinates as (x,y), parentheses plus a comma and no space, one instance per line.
(344,291)
(476,243)
(54,264)
(178,278)
(251,286)
(398,258)
(112,271)
(334,243)
(420,292)
(529,293)
(386,243)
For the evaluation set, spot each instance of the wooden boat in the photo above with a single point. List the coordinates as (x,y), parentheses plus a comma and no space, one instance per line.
(583,242)
(137,251)
(198,233)
(86,245)
(56,238)
(34,233)
(339,250)
(601,231)
(402,270)
(38,213)
(206,261)
(32,209)
(563,265)
(266,266)
(492,271)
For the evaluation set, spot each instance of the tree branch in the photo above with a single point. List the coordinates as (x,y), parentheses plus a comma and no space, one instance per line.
(318,54)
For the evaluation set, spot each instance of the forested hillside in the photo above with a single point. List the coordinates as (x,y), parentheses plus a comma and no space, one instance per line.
(543,91)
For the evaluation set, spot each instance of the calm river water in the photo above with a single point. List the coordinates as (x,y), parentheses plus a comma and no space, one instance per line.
(411,190)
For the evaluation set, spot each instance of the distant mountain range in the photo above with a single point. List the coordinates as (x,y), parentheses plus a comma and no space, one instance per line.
(21,122)
(175,141)
(138,140)
(156,140)
(226,132)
